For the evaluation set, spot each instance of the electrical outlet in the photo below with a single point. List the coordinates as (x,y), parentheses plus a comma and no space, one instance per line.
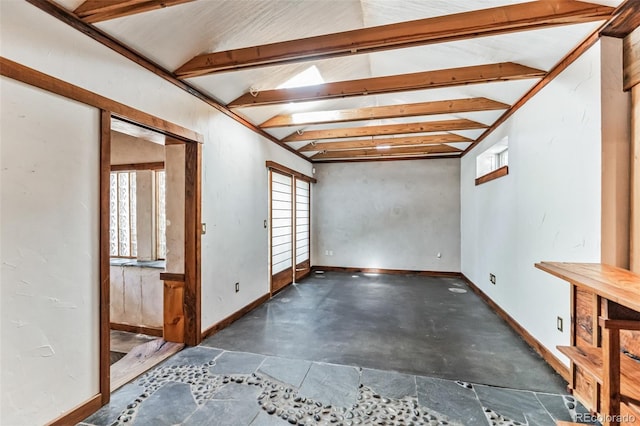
(492,278)
(237,287)
(559,323)
(265,224)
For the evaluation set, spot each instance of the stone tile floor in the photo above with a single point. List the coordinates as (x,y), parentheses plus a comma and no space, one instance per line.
(209,386)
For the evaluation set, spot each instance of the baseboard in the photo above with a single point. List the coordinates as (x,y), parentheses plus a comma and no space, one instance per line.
(150,331)
(234,316)
(79,413)
(551,359)
(386,271)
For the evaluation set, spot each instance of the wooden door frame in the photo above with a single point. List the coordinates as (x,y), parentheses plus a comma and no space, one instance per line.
(289,272)
(272,166)
(193,166)
(307,263)
(191,303)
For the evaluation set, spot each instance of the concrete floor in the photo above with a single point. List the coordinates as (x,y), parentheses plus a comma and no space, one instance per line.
(353,350)
(406,324)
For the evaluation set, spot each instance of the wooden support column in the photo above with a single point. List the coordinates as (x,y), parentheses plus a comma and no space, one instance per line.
(192,243)
(635,179)
(105,278)
(631,55)
(615,134)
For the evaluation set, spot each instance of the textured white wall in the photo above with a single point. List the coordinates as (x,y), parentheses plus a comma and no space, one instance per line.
(234,193)
(390,214)
(49,227)
(547,208)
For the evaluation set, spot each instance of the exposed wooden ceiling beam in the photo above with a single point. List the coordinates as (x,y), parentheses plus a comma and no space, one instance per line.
(382,112)
(411,150)
(372,143)
(562,65)
(626,19)
(389,129)
(58,12)
(93,11)
(391,84)
(485,22)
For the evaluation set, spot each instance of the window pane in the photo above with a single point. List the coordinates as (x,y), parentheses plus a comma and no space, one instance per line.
(124,248)
(113,215)
(161,238)
(132,214)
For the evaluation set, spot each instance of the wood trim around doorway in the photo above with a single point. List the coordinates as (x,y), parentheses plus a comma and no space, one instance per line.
(192,244)
(109,108)
(105,274)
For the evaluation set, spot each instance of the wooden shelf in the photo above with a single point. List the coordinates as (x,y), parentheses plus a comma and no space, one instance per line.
(605,312)
(590,359)
(615,284)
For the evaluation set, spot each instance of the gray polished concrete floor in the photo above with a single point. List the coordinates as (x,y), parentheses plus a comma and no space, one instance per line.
(353,350)
(408,324)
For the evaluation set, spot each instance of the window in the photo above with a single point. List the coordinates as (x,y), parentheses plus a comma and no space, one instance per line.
(123,214)
(161,217)
(493,162)
(281,228)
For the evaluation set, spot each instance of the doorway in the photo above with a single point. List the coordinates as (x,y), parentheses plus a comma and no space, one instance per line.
(150,247)
(289,226)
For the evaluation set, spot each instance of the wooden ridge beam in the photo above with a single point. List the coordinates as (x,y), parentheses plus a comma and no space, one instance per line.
(381,112)
(391,158)
(372,143)
(399,151)
(93,11)
(388,129)
(459,26)
(391,84)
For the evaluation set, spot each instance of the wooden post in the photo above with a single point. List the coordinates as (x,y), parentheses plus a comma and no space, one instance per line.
(105,280)
(611,376)
(192,244)
(174,317)
(631,61)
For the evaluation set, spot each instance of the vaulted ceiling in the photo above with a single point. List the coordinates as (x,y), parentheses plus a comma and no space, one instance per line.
(381,78)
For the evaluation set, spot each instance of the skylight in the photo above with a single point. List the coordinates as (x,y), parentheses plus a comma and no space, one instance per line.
(309,77)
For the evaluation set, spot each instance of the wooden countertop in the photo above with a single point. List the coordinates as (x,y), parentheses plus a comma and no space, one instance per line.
(616,284)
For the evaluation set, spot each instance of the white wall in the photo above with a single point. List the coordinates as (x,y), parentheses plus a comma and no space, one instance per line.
(390,214)
(49,254)
(547,208)
(234,193)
